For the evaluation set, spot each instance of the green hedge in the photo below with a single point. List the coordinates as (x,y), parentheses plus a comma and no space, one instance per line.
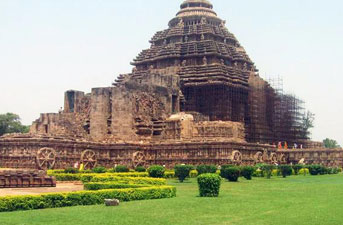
(130,180)
(15,203)
(209,184)
(89,176)
(93,186)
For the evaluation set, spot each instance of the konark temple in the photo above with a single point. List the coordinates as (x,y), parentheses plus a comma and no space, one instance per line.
(193,97)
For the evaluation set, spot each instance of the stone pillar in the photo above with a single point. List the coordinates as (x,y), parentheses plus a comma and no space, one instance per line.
(72,101)
(122,114)
(100,113)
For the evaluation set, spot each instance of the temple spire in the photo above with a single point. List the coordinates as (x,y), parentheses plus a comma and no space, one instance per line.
(196,8)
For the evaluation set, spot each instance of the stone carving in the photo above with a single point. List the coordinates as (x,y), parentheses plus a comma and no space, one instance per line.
(258,157)
(181,23)
(25,179)
(203,21)
(204,60)
(273,158)
(202,37)
(236,157)
(138,159)
(89,159)
(46,158)
(282,159)
(184,62)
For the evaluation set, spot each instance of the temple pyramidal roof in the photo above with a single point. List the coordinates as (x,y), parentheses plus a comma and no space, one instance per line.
(198,42)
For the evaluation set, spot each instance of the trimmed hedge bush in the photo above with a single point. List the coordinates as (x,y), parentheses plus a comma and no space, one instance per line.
(223,168)
(66,176)
(156,171)
(297,168)
(15,203)
(99,169)
(87,177)
(231,173)
(193,174)
(201,169)
(316,170)
(94,186)
(129,180)
(182,171)
(140,169)
(209,185)
(169,174)
(267,170)
(286,170)
(247,172)
(122,169)
(304,171)
(71,170)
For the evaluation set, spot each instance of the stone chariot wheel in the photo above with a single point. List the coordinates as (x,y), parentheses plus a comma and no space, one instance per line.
(258,157)
(46,158)
(236,157)
(138,159)
(273,158)
(282,159)
(88,159)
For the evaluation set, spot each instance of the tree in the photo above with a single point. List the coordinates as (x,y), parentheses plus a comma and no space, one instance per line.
(307,124)
(330,143)
(10,123)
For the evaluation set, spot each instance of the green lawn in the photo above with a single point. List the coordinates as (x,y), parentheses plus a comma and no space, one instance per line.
(297,200)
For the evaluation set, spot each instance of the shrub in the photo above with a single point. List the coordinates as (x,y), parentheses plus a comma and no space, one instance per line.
(258,173)
(99,169)
(16,203)
(182,171)
(335,170)
(304,171)
(286,170)
(222,170)
(193,174)
(297,168)
(316,170)
(233,174)
(247,172)
(156,171)
(129,180)
(93,186)
(67,177)
(122,169)
(209,185)
(201,169)
(267,170)
(169,174)
(140,169)
(69,170)
(276,173)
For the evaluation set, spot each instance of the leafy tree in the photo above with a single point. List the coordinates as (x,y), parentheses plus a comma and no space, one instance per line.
(307,124)
(10,123)
(330,143)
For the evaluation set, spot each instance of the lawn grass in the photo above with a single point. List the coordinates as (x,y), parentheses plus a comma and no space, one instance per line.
(296,200)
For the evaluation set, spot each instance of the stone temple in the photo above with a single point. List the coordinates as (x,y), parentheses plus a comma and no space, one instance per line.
(193,97)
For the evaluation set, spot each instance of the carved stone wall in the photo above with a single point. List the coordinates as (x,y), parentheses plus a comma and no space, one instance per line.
(43,153)
(328,157)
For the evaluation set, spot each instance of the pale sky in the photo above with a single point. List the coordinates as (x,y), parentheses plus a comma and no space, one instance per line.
(50,46)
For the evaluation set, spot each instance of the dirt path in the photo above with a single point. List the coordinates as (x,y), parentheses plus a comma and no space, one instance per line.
(61,187)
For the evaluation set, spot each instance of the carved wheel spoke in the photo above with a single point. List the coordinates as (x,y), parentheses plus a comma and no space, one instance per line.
(236,157)
(258,157)
(46,158)
(89,159)
(138,159)
(273,158)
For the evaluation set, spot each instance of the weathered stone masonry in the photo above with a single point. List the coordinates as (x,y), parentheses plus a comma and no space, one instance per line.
(193,97)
